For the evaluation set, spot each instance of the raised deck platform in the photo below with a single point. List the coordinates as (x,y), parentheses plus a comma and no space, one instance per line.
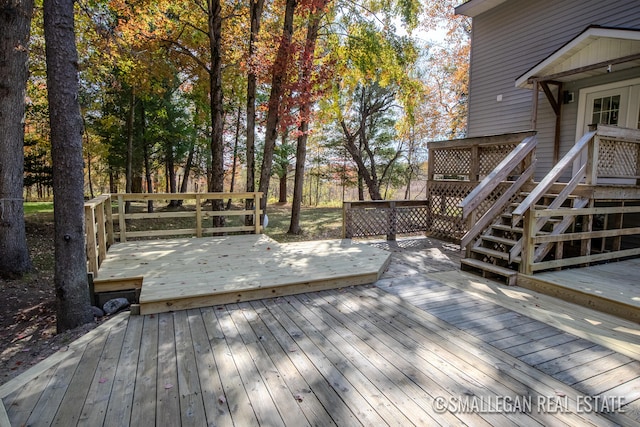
(179,274)
(612,288)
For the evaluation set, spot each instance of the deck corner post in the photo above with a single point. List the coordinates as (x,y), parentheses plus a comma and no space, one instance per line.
(121,219)
(257,212)
(198,215)
(345,207)
(528,248)
(90,240)
(392,222)
(109,220)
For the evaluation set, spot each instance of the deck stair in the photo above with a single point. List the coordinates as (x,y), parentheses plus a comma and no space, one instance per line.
(497,250)
(495,241)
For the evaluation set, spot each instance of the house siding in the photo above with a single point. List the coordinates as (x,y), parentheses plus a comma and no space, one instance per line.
(510,39)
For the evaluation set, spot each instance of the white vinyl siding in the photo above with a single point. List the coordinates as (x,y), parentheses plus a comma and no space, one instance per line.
(513,37)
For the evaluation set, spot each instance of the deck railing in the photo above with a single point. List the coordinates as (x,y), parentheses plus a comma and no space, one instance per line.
(455,169)
(192,207)
(100,218)
(522,158)
(99,230)
(384,217)
(611,153)
(598,241)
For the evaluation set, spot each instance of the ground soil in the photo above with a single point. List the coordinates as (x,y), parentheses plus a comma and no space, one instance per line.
(27,308)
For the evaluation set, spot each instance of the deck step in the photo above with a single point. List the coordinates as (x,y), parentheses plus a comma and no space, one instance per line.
(508,274)
(491,253)
(501,240)
(505,227)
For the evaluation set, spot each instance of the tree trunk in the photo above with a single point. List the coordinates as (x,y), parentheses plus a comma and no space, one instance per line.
(235,156)
(301,148)
(145,155)
(147,174)
(72,288)
(217,110)
(15,23)
(277,81)
(255,16)
(187,169)
(282,187)
(129,166)
(298,182)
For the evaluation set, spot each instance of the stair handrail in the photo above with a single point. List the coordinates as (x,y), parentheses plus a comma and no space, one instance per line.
(551,177)
(497,175)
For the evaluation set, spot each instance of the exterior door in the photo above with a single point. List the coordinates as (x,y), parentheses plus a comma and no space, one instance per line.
(616,104)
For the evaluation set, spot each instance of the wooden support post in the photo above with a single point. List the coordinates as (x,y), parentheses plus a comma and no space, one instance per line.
(198,215)
(121,219)
(108,210)
(528,249)
(101,233)
(592,161)
(616,223)
(345,206)
(587,226)
(90,225)
(392,222)
(256,212)
(474,167)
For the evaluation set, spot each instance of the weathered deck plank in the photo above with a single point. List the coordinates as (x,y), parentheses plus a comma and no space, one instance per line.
(356,356)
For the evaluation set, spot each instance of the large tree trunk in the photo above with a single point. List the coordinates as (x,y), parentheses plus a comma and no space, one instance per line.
(255,16)
(217,110)
(72,288)
(301,149)
(15,22)
(273,116)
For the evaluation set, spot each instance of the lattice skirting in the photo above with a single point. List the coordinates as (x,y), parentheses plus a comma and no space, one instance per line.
(385,221)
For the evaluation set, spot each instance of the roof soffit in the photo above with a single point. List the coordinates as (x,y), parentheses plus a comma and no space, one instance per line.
(474,8)
(597,50)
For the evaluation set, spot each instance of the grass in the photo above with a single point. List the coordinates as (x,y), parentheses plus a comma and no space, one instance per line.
(317,223)
(38,207)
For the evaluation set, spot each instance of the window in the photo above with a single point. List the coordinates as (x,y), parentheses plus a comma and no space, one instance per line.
(606,110)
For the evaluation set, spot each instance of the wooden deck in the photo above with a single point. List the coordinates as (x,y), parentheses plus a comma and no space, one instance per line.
(190,273)
(389,354)
(613,287)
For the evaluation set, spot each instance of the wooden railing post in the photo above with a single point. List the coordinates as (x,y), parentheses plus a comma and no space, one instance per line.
(101,232)
(198,215)
(90,226)
(121,219)
(593,150)
(109,220)
(393,221)
(256,212)
(345,207)
(528,250)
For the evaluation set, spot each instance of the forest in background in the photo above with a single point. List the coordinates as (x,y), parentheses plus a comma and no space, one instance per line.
(193,95)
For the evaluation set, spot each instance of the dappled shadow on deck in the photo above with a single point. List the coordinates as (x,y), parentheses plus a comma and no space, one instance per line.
(371,355)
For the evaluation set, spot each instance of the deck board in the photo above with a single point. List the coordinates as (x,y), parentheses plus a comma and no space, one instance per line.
(192,273)
(365,355)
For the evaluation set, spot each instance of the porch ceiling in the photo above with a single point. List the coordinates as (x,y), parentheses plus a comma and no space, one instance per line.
(597,50)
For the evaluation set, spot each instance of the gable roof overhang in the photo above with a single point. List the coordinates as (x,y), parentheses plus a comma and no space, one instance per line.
(474,8)
(595,51)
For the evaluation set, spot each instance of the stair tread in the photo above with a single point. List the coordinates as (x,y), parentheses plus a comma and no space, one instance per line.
(505,227)
(498,239)
(503,271)
(491,252)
